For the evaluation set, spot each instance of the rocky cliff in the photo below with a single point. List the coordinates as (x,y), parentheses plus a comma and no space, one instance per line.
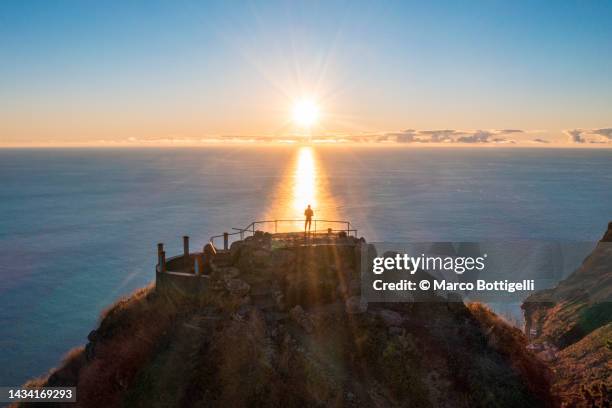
(285,326)
(570,326)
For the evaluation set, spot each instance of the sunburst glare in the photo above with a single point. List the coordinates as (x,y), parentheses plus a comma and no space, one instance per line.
(306,113)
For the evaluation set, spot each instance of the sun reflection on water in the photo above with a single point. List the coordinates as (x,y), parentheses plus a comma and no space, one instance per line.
(304,183)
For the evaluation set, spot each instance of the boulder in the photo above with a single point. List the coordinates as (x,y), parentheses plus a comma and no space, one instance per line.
(93,335)
(228,272)
(235,250)
(237,287)
(260,257)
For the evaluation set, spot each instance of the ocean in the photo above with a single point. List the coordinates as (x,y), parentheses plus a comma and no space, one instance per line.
(79,227)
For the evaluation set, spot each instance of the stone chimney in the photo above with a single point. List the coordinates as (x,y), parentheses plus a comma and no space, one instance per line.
(186,246)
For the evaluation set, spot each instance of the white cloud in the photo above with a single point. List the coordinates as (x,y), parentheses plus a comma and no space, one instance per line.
(603,135)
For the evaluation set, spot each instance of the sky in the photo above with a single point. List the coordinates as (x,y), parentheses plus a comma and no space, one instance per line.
(477,72)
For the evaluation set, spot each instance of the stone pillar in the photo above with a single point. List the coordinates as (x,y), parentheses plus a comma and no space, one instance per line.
(225,241)
(199,264)
(160,249)
(186,246)
(162,261)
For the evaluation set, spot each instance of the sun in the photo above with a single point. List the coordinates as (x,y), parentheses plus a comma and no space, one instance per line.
(305,112)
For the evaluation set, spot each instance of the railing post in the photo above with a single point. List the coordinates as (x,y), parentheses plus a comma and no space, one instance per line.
(225,240)
(275,226)
(253,228)
(162,262)
(315,228)
(199,263)
(160,249)
(186,246)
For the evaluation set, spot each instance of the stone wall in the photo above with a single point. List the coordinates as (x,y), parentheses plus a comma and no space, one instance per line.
(180,279)
(181,284)
(307,274)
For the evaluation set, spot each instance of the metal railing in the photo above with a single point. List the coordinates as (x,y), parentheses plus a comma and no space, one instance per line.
(253,227)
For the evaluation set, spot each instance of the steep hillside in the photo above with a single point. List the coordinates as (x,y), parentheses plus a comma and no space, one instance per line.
(288,328)
(571,326)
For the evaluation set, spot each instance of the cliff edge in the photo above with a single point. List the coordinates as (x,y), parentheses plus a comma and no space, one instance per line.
(281,326)
(570,326)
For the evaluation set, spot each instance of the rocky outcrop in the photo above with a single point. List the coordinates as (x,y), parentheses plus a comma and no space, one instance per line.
(577,305)
(608,234)
(287,327)
(574,319)
(237,287)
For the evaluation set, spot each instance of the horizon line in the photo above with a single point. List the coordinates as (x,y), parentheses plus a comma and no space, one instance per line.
(254,143)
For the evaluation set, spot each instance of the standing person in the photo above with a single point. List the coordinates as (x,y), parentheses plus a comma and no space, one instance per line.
(308,213)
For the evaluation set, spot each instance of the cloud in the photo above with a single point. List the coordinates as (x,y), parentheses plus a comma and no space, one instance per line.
(607,132)
(423,136)
(441,136)
(603,135)
(481,136)
(501,140)
(575,135)
(492,137)
(446,136)
(405,136)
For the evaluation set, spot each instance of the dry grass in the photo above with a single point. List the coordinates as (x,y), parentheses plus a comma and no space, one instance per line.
(511,343)
(129,334)
(585,365)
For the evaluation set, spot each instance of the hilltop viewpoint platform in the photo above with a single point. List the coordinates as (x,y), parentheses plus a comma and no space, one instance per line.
(326,262)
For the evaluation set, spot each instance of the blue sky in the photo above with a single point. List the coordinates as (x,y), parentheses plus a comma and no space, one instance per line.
(85,72)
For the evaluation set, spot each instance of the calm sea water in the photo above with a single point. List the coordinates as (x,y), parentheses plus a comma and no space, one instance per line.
(78,227)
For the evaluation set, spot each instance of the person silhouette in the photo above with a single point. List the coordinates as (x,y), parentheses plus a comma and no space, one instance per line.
(308,213)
